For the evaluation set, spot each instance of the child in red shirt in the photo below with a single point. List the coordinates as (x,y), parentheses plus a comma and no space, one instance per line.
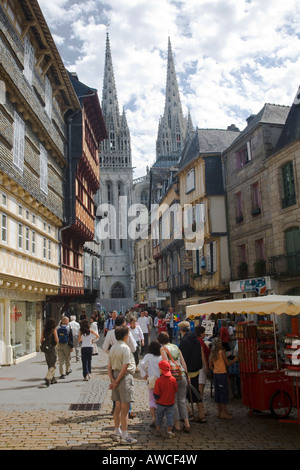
(164,393)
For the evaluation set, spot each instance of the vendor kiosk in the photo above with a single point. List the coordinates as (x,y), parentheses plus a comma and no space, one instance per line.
(267,383)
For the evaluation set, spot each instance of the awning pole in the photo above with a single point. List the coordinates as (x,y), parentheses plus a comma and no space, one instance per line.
(275,340)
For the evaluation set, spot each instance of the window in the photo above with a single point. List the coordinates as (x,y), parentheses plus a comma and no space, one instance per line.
(211,257)
(49,250)
(28,60)
(19,142)
(238,207)
(3,228)
(43,169)
(243,156)
(288,185)
(4,200)
(144,197)
(260,249)
(190,181)
(44,248)
(48,97)
(27,242)
(20,236)
(292,240)
(33,243)
(243,266)
(255,199)
(117,291)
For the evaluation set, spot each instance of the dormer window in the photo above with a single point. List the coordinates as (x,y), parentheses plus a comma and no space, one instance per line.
(243,155)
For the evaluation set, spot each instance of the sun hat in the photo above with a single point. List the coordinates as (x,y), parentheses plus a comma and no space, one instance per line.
(165,368)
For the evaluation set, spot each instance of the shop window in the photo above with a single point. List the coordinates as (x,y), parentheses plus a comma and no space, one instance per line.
(23,328)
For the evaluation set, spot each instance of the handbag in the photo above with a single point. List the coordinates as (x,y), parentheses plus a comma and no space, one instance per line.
(45,345)
(175,368)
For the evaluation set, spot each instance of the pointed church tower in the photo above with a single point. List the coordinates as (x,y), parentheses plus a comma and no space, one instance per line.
(173,127)
(116,151)
(116,177)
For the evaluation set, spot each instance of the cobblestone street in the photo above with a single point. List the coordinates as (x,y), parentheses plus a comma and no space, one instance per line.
(74,414)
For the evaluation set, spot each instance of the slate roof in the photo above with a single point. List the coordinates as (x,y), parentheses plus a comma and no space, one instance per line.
(206,142)
(209,144)
(269,114)
(291,129)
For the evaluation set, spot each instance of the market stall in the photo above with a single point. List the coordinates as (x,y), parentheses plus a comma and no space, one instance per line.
(267,383)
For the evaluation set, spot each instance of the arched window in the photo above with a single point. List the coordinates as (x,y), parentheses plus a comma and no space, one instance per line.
(144,197)
(117,291)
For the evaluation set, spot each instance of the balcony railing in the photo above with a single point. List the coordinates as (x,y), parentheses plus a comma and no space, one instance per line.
(285,265)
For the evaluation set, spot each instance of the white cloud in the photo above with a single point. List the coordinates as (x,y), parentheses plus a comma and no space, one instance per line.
(231,57)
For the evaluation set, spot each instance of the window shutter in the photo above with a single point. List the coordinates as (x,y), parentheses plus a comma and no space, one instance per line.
(208,258)
(214,256)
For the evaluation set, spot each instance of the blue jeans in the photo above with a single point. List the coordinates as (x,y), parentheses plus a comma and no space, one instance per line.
(86,359)
(164,410)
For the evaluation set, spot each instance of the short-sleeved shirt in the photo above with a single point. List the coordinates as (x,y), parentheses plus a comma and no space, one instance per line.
(119,355)
(144,322)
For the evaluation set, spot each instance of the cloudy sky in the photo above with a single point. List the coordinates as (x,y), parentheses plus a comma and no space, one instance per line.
(231,57)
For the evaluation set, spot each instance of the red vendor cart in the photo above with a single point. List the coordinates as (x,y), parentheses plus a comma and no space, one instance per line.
(268,390)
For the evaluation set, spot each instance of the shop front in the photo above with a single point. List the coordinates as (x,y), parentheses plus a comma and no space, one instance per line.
(252,287)
(20,326)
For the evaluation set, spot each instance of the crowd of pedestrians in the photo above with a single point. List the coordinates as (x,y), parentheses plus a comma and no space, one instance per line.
(175,374)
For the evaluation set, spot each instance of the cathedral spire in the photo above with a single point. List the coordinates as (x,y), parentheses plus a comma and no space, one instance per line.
(115,151)
(173,126)
(110,103)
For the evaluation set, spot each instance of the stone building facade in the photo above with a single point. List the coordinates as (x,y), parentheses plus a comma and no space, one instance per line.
(33,140)
(249,206)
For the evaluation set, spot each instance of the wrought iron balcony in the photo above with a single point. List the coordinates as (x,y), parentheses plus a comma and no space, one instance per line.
(285,265)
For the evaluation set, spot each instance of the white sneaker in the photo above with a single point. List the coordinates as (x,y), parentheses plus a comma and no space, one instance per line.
(116,437)
(128,440)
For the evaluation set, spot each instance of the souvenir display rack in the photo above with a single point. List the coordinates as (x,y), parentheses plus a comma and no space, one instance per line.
(264,386)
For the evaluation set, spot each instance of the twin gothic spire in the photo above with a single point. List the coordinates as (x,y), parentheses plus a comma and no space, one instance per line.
(173,127)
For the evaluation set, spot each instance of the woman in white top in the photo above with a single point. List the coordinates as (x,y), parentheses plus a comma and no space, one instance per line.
(94,327)
(86,338)
(138,336)
(150,372)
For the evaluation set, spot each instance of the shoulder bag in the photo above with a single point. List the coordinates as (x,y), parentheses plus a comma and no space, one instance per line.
(175,368)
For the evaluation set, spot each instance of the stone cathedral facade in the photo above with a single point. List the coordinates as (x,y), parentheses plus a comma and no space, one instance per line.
(116,183)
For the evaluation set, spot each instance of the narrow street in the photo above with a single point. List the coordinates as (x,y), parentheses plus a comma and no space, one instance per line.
(76,415)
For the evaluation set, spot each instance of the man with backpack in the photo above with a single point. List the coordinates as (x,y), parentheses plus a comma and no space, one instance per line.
(64,346)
